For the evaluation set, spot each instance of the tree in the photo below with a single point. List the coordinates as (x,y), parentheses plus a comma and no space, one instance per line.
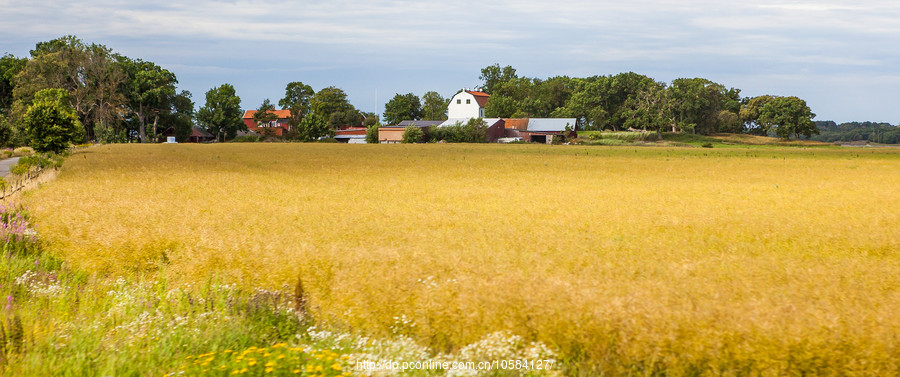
(265,113)
(150,90)
(750,112)
(402,107)
(493,75)
(313,127)
(51,123)
(181,118)
(222,113)
(297,97)
(434,107)
(10,66)
(790,116)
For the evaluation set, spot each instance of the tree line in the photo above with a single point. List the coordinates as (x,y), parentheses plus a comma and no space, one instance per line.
(113,98)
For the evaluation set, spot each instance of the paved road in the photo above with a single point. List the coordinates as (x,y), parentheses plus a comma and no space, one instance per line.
(6,164)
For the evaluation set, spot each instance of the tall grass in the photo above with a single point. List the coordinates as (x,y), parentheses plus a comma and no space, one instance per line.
(626,261)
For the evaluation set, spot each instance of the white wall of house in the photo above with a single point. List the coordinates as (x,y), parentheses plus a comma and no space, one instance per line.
(464,105)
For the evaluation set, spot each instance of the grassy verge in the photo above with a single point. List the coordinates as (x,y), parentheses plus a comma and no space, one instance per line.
(59,321)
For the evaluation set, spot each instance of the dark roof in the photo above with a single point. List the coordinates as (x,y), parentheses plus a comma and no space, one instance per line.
(199,132)
(419,123)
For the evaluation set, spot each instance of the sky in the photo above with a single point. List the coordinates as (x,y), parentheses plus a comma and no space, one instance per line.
(842,57)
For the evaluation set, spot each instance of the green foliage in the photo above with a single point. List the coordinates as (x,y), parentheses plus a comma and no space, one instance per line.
(372,133)
(7,133)
(297,97)
(434,106)
(313,127)
(493,75)
(10,66)
(265,113)
(51,124)
(245,139)
(412,135)
(883,133)
(331,105)
(474,131)
(402,107)
(790,116)
(222,113)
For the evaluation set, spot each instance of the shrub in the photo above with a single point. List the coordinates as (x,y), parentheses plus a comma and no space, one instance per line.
(413,135)
(51,123)
(22,151)
(372,133)
(245,139)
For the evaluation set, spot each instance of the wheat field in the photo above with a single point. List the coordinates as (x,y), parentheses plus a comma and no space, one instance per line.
(627,261)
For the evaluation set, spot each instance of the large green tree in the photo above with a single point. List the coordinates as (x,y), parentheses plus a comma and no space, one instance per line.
(790,116)
(434,106)
(10,66)
(750,112)
(297,96)
(89,73)
(51,122)
(222,114)
(331,104)
(402,107)
(493,75)
(150,90)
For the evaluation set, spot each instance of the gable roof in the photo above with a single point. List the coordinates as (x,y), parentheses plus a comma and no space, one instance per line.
(480,97)
(281,114)
(199,132)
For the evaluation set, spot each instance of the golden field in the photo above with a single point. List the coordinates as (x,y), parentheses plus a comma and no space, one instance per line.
(638,261)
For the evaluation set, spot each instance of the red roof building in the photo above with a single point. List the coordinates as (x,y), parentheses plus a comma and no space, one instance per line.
(277,127)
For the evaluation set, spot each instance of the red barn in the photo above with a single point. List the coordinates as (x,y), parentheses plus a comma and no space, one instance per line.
(277,127)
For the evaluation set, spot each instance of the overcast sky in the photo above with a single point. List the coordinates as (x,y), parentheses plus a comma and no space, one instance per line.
(842,57)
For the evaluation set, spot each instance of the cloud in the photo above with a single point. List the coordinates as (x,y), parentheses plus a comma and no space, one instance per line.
(447,40)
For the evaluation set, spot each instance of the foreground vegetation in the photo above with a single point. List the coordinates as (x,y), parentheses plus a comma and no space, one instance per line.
(622,261)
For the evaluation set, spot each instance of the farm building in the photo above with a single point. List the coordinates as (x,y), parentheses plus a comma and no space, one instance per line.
(540,130)
(351,135)
(277,127)
(198,135)
(467,104)
(393,134)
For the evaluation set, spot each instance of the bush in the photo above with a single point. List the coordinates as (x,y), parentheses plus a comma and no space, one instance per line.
(372,133)
(22,151)
(51,123)
(245,139)
(413,135)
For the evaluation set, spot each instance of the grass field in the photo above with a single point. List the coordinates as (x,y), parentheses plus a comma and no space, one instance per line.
(626,261)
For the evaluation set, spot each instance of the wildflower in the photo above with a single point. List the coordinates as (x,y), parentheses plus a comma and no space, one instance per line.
(269,369)
(336,366)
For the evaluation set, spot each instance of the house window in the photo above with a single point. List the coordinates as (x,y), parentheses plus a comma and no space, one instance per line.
(459,102)
(468,101)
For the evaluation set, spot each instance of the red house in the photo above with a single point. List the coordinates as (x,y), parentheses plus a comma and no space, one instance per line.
(277,127)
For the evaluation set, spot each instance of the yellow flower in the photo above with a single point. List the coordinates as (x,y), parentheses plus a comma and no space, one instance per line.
(318,368)
(189,357)
(280,345)
(309,368)
(252,362)
(271,363)
(345,357)
(269,369)
(280,357)
(296,371)
(336,366)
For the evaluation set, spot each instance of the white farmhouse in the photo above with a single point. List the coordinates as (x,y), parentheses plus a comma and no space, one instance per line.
(467,104)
